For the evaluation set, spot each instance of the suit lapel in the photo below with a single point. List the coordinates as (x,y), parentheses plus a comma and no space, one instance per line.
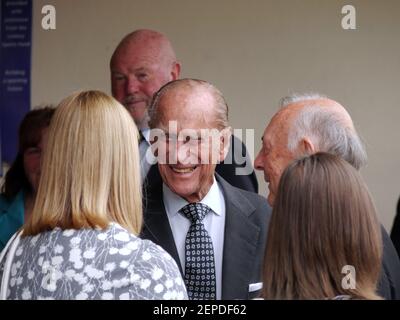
(240,244)
(156,224)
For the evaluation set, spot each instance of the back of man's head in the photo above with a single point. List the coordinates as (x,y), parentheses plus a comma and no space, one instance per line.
(327,125)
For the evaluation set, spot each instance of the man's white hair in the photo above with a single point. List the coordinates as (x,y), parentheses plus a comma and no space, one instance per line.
(325,128)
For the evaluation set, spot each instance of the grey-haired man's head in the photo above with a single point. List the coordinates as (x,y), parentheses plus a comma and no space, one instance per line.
(306,124)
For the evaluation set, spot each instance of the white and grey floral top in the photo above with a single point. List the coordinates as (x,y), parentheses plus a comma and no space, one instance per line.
(93,264)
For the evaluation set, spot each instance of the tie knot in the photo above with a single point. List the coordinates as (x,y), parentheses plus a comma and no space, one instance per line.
(195,211)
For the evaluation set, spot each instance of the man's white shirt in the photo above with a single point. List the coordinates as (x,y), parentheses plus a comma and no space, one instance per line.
(214,223)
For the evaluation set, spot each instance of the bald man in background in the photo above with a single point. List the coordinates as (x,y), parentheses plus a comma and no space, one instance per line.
(311,123)
(141,64)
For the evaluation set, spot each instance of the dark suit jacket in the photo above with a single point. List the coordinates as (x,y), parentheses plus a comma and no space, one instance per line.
(389,286)
(237,151)
(246,224)
(395,234)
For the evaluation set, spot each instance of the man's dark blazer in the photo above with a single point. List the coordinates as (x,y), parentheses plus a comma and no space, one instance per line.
(395,234)
(228,170)
(246,224)
(389,284)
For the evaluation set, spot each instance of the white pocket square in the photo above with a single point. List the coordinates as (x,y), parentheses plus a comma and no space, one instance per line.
(255,286)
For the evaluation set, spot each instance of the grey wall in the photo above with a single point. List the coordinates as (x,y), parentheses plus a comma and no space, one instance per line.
(255,51)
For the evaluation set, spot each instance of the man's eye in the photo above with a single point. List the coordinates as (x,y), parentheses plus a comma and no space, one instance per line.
(142,76)
(192,140)
(119,77)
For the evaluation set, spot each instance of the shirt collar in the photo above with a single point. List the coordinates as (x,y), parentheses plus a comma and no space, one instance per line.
(146,134)
(173,203)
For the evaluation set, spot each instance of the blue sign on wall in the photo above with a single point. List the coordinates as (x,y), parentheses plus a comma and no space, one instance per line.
(15,71)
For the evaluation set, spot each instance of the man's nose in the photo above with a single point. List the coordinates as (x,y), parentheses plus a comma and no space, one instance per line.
(258,162)
(132,85)
(184,154)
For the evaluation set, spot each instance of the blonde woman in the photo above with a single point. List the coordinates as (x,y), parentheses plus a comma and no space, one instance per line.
(324,239)
(81,241)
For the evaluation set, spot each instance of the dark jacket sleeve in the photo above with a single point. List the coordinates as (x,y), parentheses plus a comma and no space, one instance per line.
(395,234)
(389,284)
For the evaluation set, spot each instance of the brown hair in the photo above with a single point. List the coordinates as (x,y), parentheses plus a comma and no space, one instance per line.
(323,219)
(29,135)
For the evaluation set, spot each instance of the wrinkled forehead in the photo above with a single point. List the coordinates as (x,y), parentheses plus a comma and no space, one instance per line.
(137,54)
(278,128)
(191,109)
(135,59)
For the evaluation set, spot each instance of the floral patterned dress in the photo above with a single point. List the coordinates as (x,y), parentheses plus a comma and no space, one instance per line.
(92,264)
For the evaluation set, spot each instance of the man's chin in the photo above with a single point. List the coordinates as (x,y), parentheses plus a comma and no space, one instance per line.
(141,119)
(186,193)
(136,105)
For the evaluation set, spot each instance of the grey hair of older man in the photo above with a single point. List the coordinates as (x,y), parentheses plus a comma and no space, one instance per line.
(329,129)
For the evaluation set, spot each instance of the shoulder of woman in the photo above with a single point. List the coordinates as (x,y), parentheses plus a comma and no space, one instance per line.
(11,204)
(145,250)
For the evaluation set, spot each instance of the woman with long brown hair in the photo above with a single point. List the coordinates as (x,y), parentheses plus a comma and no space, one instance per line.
(21,182)
(324,238)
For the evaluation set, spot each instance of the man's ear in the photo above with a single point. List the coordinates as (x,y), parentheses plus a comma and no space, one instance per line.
(225,140)
(306,146)
(176,70)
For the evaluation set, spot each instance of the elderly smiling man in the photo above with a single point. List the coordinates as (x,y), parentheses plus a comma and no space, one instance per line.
(307,124)
(214,231)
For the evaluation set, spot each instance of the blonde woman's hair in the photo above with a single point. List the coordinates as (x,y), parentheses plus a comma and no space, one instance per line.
(90,171)
(323,219)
